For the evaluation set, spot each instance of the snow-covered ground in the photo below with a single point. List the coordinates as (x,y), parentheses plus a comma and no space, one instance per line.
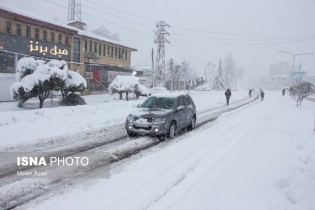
(261,156)
(31,125)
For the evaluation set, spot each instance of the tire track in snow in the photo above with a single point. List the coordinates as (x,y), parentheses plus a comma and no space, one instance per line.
(219,151)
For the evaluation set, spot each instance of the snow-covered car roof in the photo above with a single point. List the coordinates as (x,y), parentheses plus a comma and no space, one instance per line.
(168,95)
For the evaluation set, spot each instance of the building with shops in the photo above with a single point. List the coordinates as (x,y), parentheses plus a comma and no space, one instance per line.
(99,59)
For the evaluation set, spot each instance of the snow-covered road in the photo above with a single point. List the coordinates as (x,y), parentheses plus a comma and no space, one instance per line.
(258,157)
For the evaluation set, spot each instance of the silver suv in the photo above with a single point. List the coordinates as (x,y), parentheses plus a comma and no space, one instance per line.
(162,115)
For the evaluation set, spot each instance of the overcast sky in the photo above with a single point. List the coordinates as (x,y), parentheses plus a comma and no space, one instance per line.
(202,31)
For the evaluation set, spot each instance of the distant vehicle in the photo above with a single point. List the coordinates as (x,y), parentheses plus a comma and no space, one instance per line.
(162,115)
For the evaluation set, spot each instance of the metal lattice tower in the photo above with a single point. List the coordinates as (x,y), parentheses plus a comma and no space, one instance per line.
(160,40)
(74,10)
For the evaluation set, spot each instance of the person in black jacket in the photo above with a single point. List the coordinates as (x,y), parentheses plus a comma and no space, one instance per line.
(262,94)
(283,91)
(250,92)
(228,95)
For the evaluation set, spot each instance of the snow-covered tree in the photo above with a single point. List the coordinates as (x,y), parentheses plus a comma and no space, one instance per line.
(74,83)
(195,81)
(219,82)
(300,91)
(141,90)
(210,72)
(37,79)
(26,66)
(229,68)
(123,84)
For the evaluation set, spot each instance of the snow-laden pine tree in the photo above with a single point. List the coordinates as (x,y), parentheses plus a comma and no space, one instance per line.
(218,82)
(229,69)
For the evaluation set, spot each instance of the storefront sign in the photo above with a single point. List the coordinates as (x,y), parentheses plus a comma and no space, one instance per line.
(44,49)
(37,48)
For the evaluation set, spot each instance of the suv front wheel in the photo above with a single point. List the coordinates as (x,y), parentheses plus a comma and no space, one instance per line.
(172,130)
(192,124)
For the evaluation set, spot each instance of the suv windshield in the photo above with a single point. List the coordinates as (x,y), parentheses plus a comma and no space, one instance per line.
(160,103)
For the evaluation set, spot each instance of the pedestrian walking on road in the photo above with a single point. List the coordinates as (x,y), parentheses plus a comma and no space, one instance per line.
(250,92)
(228,95)
(283,91)
(262,94)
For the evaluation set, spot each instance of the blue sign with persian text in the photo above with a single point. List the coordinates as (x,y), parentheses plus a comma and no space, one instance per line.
(37,48)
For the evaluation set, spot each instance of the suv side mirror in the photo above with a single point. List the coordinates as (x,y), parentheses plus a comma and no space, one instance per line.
(180,108)
(138,105)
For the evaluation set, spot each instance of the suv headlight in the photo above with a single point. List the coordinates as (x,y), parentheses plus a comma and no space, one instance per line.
(159,120)
(130,118)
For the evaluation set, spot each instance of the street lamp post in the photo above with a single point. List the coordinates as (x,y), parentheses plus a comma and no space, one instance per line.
(294,55)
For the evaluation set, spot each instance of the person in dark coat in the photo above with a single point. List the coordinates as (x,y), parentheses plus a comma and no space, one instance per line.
(283,91)
(250,92)
(228,95)
(262,94)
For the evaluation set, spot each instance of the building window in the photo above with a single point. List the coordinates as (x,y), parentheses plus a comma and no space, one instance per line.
(67,40)
(76,52)
(104,50)
(123,54)
(36,33)
(27,31)
(116,52)
(85,45)
(119,53)
(100,49)
(60,38)
(108,50)
(95,47)
(8,27)
(111,51)
(44,35)
(18,29)
(126,54)
(91,46)
(52,37)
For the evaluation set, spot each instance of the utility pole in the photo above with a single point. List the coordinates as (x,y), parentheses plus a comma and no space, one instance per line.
(74,10)
(160,40)
(172,74)
(294,55)
(152,70)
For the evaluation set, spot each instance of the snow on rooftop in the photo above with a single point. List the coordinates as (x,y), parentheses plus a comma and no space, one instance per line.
(80,32)
(99,37)
(33,16)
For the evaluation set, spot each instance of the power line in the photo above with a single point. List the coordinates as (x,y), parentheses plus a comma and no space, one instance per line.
(121,26)
(123,11)
(202,30)
(244,44)
(117,16)
(243,35)
(235,39)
